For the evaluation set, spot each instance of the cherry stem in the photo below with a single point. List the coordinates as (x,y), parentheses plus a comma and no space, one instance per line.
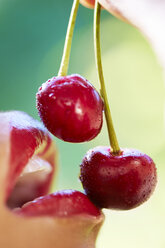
(111,131)
(68,40)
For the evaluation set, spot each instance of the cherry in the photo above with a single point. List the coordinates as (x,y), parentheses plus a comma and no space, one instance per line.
(122,181)
(113,177)
(70,108)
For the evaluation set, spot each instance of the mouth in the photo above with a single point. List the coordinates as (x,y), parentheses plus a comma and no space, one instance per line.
(29,185)
(26,198)
(32,166)
(27,168)
(32,160)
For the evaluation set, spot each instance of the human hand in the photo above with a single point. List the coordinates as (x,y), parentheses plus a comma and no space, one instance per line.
(147,15)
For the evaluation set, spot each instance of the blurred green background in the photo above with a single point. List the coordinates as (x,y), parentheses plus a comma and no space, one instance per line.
(32,36)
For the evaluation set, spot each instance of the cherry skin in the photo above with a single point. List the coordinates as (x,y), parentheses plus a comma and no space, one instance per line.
(121,181)
(71,108)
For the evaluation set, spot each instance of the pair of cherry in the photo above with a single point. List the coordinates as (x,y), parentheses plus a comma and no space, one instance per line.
(72,110)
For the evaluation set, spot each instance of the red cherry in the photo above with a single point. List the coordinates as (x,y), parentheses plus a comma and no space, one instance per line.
(121,181)
(60,204)
(71,108)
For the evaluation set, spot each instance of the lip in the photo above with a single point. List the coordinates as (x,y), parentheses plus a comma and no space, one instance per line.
(33,182)
(32,159)
(39,231)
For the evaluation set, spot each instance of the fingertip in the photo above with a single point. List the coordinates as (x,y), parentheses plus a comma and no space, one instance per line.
(88,3)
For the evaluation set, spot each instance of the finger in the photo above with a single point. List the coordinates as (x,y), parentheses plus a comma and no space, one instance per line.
(88,3)
(108,5)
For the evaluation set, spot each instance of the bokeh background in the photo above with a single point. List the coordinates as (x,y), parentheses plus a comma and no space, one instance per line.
(32,36)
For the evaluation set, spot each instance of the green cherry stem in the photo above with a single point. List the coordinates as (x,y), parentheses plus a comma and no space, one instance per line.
(68,41)
(111,131)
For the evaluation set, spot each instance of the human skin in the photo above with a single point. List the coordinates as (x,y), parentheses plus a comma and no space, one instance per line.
(147,15)
(22,137)
(88,3)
